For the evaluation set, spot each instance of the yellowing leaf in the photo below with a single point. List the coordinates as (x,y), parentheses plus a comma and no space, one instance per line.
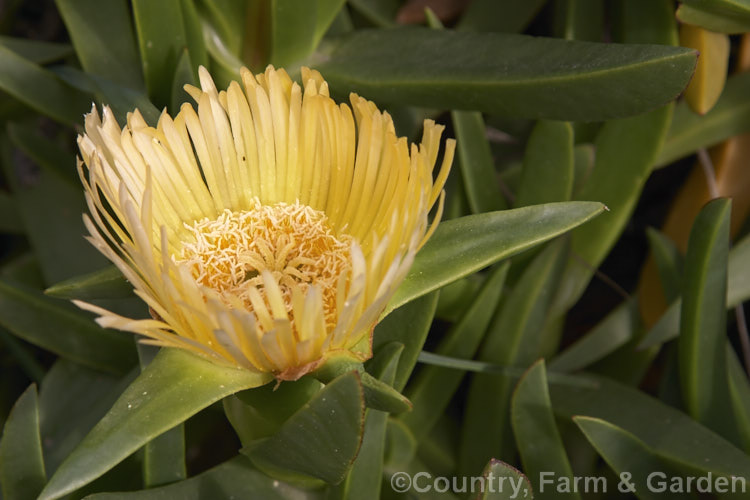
(711,72)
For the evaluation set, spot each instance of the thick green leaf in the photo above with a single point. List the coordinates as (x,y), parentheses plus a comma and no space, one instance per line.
(668,262)
(162,45)
(457,296)
(163,456)
(644,21)
(225,65)
(738,291)
(462,246)
(260,412)
(734,9)
(474,156)
(45,153)
(50,207)
(228,18)
(738,286)
(708,20)
(235,478)
(121,99)
(176,385)
(328,11)
(292,31)
(690,131)
(625,152)
(22,355)
(22,474)
(279,403)
(321,439)
(23,269)
(632,460)
(702,341)
(366,475)
(184,74)
(102,34)
(475,160)
(583,163)
(72,400)
(381,396)
(401,445)
(739,392)
(246,421)
(537,437)
(409,325)
(670,433)
(106,283)
(612,332)
(433,387)
(41,89)
(196,44)
(579,19)
(10,219)
(548,167)
(513,340)
(508,75)
(297,26)
(379,12)
(508,483)
(36,51)
(504,16)
(59,327)
(438,449)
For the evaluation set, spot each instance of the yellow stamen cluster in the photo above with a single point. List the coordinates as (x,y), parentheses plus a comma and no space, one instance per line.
(291,241)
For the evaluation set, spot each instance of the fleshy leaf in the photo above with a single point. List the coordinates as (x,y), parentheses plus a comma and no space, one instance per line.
(22,474)
(176,385)
(462,246)
(365,478)
(235,478)
(41,89)
(628,456)
(409,325)
(512,340)
(321,439)
(163,44)
(102,35)
(107,283)
(475,160)
(616,329)
(508,75)
(507,482)
(538,439)
(673,435)
(738,291)
(703,319)
(502,16)
(690,132)
(432,388)
(36,51)
(548,166)
(715,22)
(59,327)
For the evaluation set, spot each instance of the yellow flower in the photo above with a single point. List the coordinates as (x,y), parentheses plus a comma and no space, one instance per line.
(269,229)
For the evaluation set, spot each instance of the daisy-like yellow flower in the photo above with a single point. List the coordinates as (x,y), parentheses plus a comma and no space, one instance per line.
(268,229)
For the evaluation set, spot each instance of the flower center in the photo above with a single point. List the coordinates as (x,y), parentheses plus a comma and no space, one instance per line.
(292,241)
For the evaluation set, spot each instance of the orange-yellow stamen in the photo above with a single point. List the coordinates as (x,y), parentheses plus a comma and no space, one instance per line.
(293,242)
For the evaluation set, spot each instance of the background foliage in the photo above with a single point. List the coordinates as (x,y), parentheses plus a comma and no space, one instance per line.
(534,331)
